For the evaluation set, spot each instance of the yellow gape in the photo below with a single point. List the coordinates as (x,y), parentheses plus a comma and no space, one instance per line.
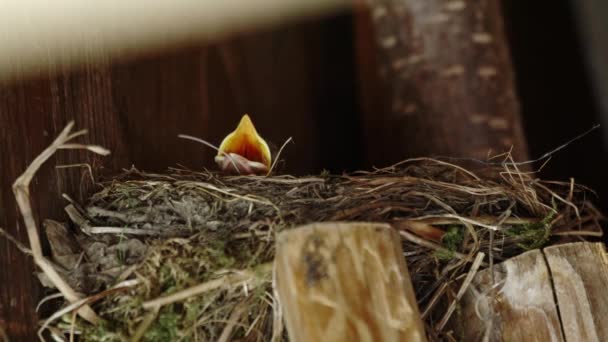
(244,151)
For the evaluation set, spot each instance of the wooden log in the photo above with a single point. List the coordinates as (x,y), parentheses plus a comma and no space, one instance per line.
(346,282)
(517,306)
(438,75)
(580,277)
(71,32)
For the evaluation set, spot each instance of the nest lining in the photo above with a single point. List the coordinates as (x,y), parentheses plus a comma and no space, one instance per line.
(188,255)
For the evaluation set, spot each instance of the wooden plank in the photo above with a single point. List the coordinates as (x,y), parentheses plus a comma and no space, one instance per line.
(346,282)
(518,305)
(580,277)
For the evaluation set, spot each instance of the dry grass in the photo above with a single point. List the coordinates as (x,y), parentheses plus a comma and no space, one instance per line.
(197,247)
(187,256)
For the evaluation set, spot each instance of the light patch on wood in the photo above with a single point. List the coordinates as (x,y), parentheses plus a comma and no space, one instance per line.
(477,118)
(388,42)
(413,59)
(454,70)
(455,5)
(410,108)
(524,289)
(379,12)
(517,305)
(487,71)
(399,63)
(580,278)
(498,123)
(506,142)
(438,18)
(481,38)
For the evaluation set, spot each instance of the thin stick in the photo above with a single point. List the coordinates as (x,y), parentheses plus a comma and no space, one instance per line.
(465,285)
(234,318)
(206,143)
(47,298)
(227,280)
(76,305)
(144,325)
(547,155)
(428,244)
(16,242)
(121,230)
(22,196)
(85,165)
(276,158)
(459,218)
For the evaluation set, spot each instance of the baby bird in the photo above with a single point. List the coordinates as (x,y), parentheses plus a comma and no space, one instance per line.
(242,152)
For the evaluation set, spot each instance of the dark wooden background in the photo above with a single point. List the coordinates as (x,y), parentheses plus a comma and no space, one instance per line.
(300,81)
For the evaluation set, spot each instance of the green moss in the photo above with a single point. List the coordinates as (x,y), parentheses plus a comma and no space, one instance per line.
(103,332)
(444,254)
(451,241)
(165,328)
(533,235)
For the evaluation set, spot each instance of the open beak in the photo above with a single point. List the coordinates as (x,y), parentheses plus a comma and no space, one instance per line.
(244,151)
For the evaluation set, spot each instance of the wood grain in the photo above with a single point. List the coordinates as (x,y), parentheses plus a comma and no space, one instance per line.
(580,278)
(436,78)
(517,305)
(346,282)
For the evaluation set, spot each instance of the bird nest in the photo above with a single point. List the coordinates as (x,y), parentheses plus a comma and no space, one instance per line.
(187,255)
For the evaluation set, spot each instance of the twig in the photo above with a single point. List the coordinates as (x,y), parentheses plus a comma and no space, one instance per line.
(235,316)
(276,158)
(465,285)
(227,280)
(208,144)
(22,195)
(434,299)
(47,298)
(121,230)
(428,244)
(17,244)
(459,218)
(76,305)
(546,155)
(144,325)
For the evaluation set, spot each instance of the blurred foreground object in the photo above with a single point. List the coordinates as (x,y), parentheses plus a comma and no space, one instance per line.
(593,28)
(40,34)
(554,294)
(446,76)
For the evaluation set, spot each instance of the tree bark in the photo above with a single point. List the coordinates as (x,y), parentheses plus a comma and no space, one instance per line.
(436,80)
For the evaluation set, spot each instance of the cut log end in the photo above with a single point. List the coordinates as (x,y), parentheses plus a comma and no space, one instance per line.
(346,282)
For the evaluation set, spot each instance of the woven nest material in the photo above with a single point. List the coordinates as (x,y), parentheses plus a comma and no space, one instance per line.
(187,256)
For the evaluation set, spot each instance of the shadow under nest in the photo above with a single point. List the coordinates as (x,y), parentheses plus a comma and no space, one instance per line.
(188,255)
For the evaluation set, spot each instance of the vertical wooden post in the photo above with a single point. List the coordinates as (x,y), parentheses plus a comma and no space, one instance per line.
(346,282)
(436,79)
